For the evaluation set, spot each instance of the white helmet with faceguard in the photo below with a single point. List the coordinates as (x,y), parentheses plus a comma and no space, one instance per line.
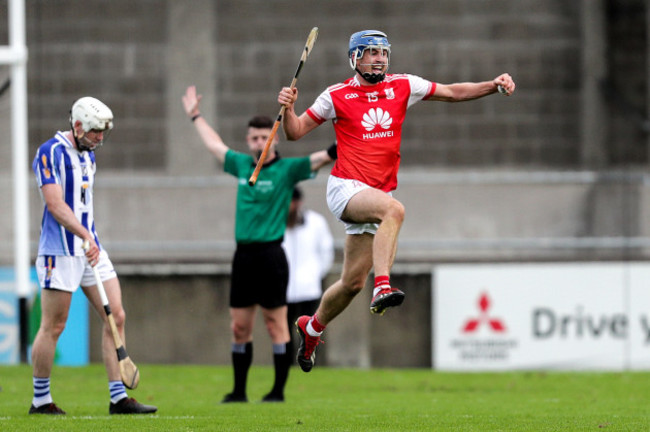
(94,116)
(367,39)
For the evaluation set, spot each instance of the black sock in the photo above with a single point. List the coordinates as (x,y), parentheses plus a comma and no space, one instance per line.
(282,363)
(241,362)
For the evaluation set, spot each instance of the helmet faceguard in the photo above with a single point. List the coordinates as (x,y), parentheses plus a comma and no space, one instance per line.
(94,116)
(359,43)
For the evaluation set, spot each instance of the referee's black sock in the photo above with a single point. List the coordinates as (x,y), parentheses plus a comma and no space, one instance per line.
(282,362)
(242,357)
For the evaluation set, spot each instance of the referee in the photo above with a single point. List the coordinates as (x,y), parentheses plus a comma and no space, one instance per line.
(260,222)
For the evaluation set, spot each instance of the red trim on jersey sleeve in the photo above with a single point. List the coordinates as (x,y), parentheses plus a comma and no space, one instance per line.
(432,91)
(315,117)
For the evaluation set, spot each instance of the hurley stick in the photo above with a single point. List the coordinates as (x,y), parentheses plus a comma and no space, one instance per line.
(308,46)
(128,370)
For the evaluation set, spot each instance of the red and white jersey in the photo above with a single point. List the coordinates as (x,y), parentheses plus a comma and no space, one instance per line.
(368,124)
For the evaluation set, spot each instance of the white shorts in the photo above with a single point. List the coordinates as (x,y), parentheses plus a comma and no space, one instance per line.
(339,193)
(66,273)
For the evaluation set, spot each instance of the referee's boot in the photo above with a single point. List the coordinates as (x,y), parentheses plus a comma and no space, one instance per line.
(234,398)
(385,298)
(128,405)
(308,344)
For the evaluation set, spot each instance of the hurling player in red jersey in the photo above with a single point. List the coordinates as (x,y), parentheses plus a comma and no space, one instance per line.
(367,112)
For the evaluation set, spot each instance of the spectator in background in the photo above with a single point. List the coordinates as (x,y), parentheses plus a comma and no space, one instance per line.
(309,246)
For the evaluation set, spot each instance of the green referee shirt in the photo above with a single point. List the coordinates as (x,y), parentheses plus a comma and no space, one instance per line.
(262,210)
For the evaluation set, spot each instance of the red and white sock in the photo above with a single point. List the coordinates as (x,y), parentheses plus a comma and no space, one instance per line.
(314,327)
(381,282)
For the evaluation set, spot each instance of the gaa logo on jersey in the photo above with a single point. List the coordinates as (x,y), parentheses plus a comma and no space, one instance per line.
(376,117)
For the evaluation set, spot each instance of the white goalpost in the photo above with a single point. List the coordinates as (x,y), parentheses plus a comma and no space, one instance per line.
(15,55)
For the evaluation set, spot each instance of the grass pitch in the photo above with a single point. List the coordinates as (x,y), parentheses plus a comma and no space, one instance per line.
(328,399)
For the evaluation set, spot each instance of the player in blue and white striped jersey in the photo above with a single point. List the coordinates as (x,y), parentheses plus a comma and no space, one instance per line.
(65,173)
(58,162)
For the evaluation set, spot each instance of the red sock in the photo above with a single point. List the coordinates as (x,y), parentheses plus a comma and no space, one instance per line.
(316,325)
(382,282)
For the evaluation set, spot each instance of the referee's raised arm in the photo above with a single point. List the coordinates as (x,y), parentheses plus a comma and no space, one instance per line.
(210,137)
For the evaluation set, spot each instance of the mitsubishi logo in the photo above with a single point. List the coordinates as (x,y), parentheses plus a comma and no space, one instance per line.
(495,324)
(376,117)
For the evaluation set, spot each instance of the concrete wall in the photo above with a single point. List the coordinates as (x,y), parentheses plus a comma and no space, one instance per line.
(183,318)
(177,297)
(139,56)
(450,216)
(154,174)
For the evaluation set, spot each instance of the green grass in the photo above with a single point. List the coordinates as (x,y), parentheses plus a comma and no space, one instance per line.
(339,400)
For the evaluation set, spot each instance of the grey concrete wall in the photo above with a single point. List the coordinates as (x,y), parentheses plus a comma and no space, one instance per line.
(191,219)
(176,283)
(139,56)
(183,318)
(154,174)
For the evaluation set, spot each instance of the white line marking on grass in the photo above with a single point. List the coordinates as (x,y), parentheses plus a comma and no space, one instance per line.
(104,417)
(134,417)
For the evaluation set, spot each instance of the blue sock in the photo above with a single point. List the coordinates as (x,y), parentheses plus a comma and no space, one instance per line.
(42,394)
(117,390)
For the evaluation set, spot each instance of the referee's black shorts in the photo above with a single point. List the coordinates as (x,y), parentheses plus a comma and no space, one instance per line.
(260,275)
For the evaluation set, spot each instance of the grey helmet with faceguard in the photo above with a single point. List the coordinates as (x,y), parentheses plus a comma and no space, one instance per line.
(94,116)
(367,39)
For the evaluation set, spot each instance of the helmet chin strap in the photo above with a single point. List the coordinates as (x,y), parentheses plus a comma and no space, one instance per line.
(84,147)
(79,142)
(371,78)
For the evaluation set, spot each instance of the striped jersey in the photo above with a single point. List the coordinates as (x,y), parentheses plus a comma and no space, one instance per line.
(57,161)
(368,124)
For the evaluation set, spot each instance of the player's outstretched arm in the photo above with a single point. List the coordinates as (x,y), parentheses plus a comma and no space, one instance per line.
(210,137)
(459,92)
